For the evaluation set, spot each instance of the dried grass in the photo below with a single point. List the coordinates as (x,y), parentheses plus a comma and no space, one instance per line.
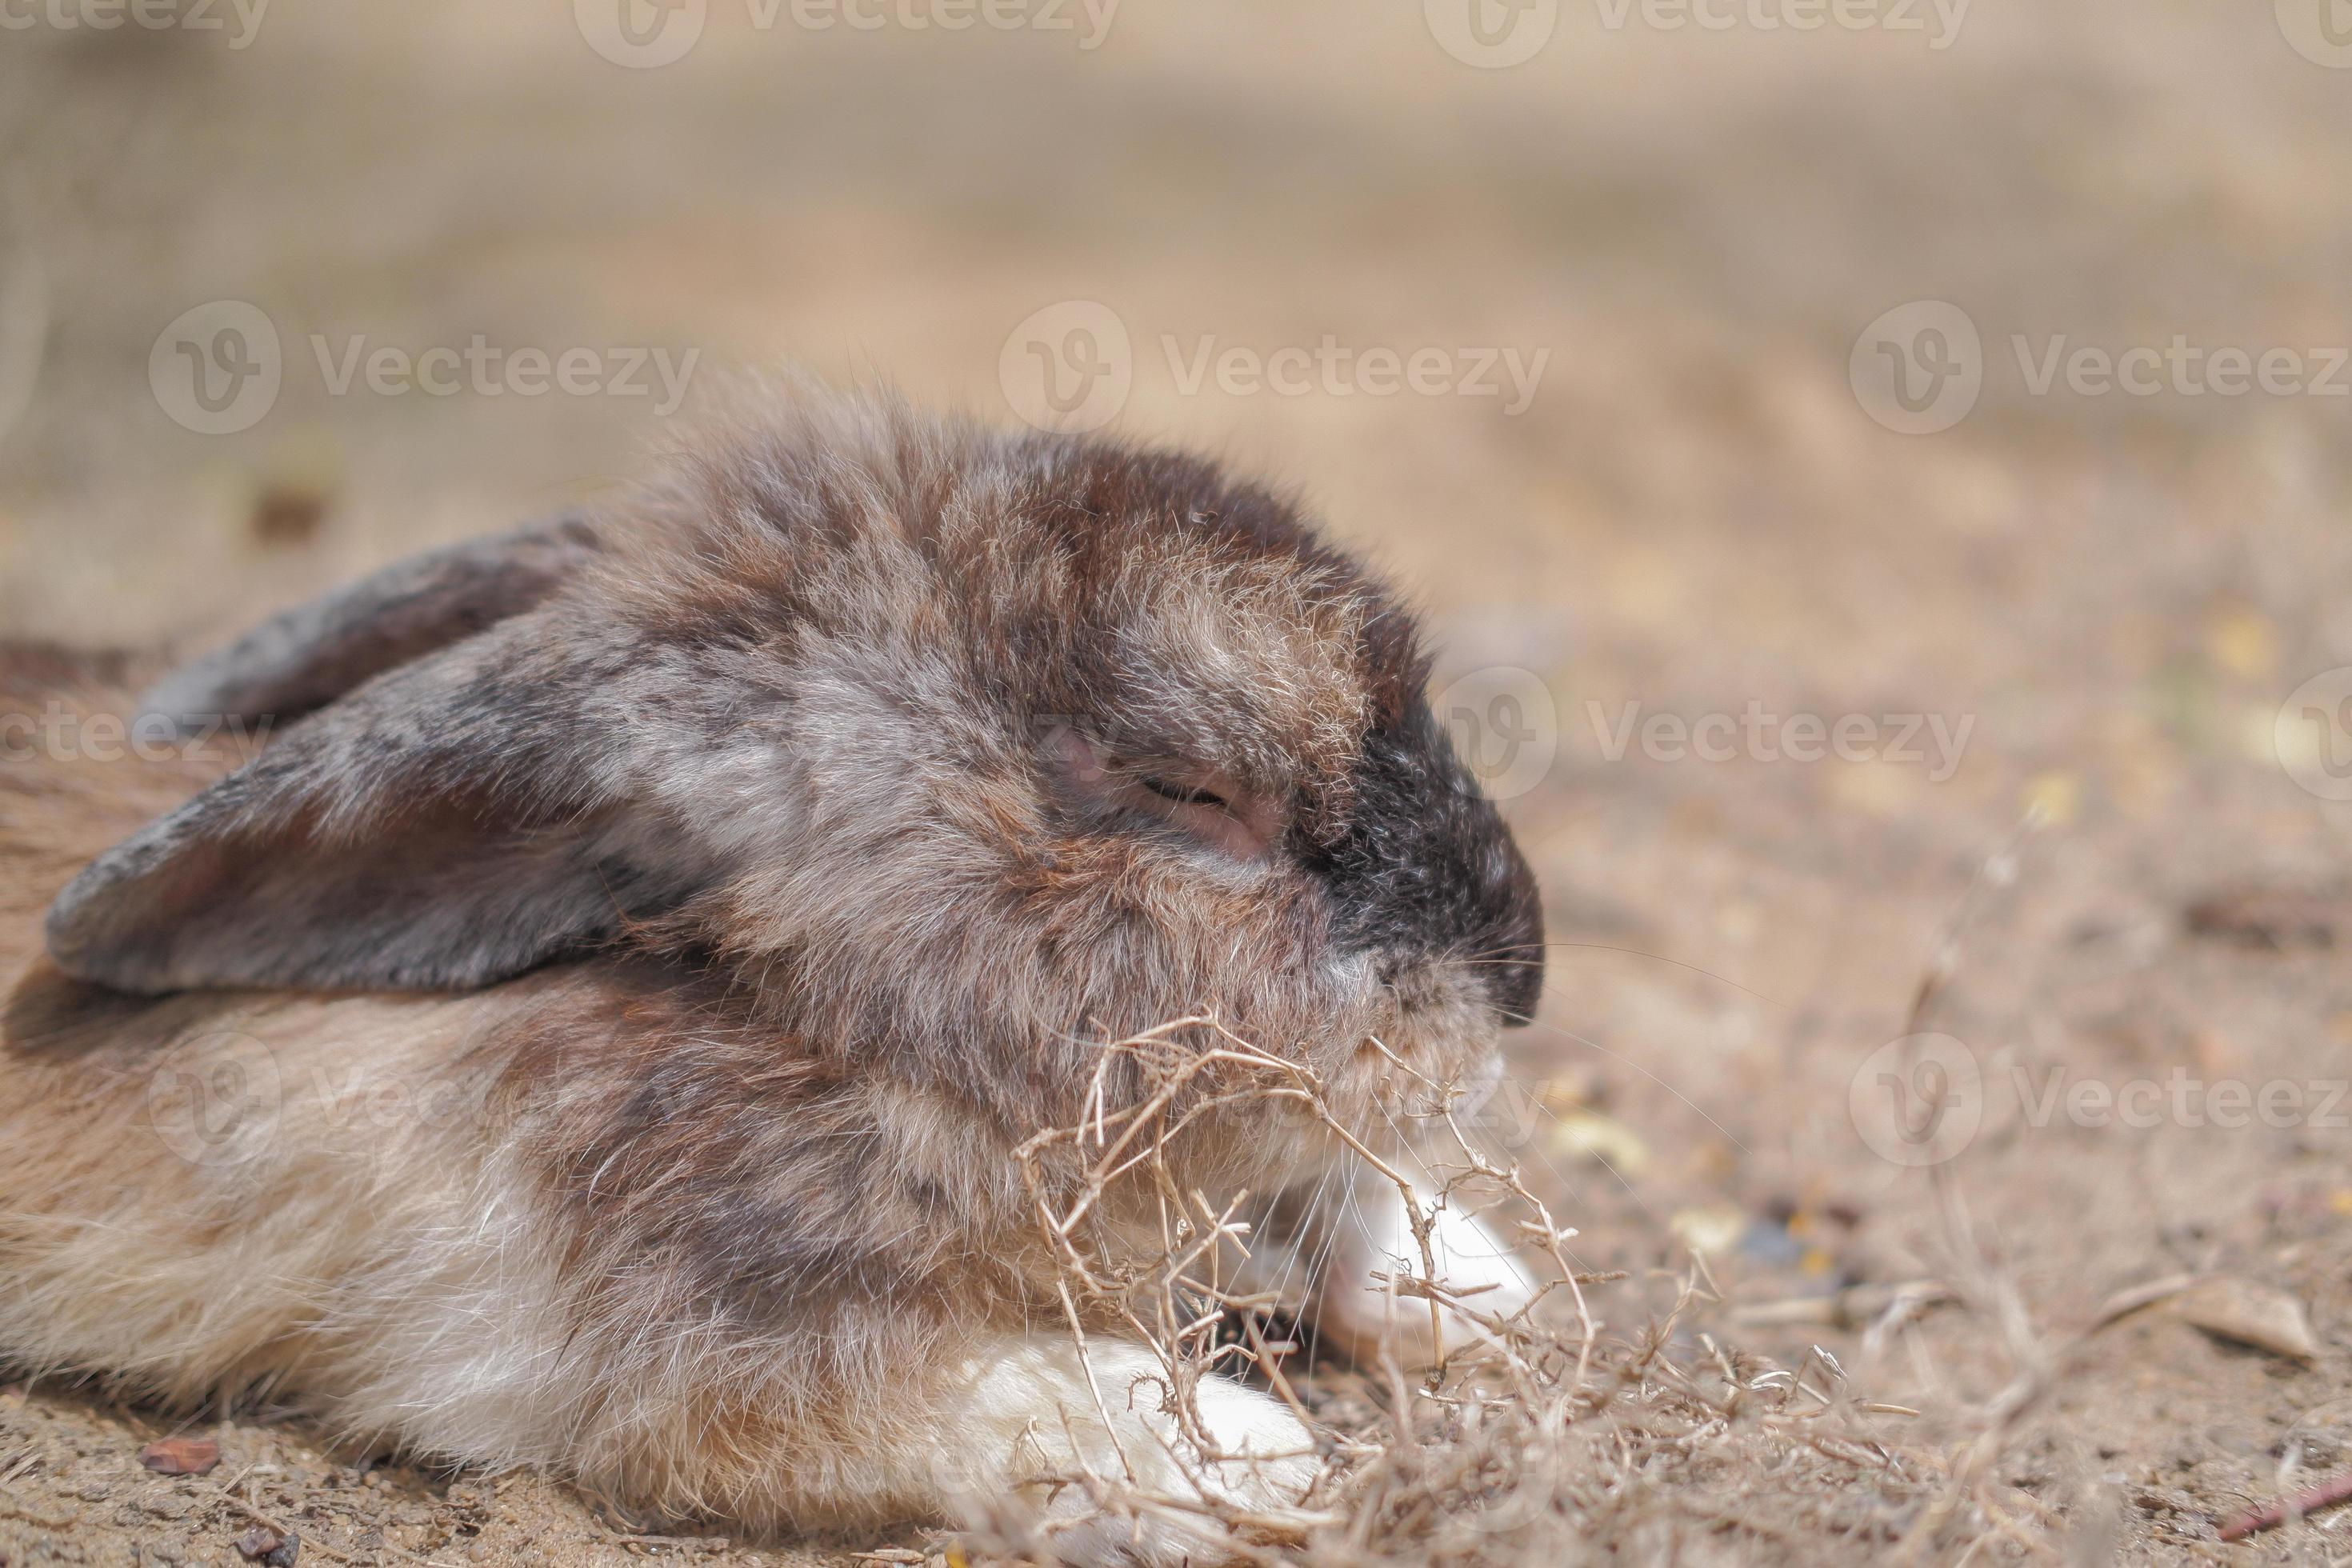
(1565,1437)
(1592,1425)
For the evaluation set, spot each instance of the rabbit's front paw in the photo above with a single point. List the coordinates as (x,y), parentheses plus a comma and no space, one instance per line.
(1364,1232)
(1035,1416)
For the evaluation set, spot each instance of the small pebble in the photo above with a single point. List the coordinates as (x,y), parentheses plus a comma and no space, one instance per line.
(266,1546)
(180,1456)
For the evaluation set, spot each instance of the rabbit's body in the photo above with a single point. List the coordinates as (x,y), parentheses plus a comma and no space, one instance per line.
(370,1201)
(598,1037)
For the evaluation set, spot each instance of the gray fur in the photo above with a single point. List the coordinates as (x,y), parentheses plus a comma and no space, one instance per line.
(796,691)
(448,825)
(306,656)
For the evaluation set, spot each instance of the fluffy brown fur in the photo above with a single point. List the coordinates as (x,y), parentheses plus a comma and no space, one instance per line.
(596,1035)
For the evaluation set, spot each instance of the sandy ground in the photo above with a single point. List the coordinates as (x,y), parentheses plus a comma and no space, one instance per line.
(2111,595)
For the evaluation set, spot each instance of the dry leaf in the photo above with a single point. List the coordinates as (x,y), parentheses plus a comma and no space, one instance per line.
(2251,1314)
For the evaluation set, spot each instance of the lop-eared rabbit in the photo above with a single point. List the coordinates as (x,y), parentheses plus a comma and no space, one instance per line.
(593,1031)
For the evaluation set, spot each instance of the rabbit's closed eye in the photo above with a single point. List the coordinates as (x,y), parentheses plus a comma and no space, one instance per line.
(1209,807)
(1184,795)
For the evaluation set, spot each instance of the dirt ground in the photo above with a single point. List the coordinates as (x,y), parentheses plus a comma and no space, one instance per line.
(2127,876)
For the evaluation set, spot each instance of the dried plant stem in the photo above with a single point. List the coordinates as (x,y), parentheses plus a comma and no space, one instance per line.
(2328,1494)
(1507,1453)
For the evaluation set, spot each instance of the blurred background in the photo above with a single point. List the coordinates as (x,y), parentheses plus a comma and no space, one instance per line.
(1733,358)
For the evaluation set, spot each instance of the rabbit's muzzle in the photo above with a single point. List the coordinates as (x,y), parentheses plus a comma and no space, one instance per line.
(1426,880)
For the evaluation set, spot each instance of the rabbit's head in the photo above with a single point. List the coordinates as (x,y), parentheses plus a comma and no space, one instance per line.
(947,749)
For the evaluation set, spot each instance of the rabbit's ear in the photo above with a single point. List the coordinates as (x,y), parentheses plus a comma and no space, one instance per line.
(306,656)
(454,822)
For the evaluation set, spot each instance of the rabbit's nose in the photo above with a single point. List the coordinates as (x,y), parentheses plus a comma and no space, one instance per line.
(1427,873)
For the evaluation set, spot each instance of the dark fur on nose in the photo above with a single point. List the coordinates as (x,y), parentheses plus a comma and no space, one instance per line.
(1426,869)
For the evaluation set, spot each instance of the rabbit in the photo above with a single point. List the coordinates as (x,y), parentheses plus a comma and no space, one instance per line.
(570,999)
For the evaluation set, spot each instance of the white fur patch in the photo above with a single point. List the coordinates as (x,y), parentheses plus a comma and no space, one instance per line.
(1029,1412)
